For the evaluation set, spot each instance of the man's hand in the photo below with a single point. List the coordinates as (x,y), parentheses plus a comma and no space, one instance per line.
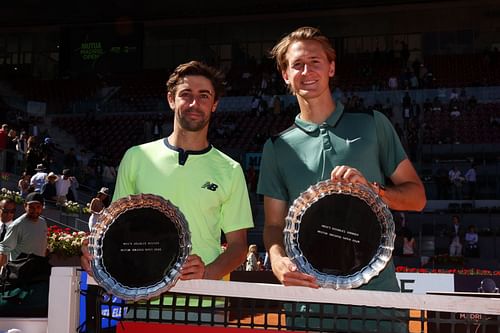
(405,193)
(289,275)
(193,268)
(283,268)
(344,173)
(3,260)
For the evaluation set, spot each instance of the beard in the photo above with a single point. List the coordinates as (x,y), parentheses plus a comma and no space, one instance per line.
(189,124)
(32,216)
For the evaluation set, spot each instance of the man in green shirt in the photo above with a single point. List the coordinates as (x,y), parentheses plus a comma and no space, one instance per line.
(327,143)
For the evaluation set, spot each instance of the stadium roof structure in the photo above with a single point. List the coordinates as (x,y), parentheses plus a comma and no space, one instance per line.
(20,13)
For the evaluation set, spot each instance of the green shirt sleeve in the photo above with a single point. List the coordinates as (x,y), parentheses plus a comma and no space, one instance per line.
(236,213)
(270,180)
(125,179)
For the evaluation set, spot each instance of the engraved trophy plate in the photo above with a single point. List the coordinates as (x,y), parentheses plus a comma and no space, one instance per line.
(139,246)
(341,233)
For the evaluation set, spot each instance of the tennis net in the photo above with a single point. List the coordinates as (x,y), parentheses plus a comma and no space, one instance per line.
(224,305)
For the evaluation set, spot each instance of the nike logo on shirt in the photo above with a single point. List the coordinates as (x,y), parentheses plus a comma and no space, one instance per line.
(347,141)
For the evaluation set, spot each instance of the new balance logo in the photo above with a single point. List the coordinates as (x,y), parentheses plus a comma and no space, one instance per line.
(210,186)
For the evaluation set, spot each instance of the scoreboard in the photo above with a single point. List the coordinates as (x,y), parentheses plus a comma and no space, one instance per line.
(104,48)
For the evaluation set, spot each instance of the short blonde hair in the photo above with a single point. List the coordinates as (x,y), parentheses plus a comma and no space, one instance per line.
(304,33)
(252,248)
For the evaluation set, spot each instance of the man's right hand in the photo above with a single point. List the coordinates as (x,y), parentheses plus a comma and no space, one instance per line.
(289,275)
(283,268)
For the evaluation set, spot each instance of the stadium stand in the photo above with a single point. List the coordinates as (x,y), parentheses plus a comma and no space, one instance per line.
(103,108)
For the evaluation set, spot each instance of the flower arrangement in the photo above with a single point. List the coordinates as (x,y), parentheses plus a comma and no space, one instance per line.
(86,209)
(445,259)
(461,271)
(64,241)
(71,207)
(8,194)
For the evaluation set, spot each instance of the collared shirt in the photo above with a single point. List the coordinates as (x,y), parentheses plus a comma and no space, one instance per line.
(207,186)
(38,179)
(25,236)
(62,186)
(471,175)
(4,226)
(307,152)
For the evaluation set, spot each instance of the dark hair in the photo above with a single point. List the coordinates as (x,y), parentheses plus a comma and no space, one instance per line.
(106,201)
(304,33)
(197,68)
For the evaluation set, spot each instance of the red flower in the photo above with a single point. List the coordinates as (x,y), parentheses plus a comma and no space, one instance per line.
(461,271)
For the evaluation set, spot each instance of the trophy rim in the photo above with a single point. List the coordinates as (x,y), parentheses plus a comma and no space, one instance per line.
(313,194)
(109,216)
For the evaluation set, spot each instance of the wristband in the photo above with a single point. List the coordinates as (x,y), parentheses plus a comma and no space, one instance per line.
(379,189)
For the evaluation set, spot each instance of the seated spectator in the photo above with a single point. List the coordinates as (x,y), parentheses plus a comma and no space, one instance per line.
(455,113)
(454,108)
(108,175)
(28,233)
(471,180)
(456,237)
(409,243)
(63,186)
(436,105)
(24,184)
(7,210)
(392,83)
(253,261)
(73,190)
(471,242)
(454,94)
(456,181)
(49,191)
(38,179)
(413,81)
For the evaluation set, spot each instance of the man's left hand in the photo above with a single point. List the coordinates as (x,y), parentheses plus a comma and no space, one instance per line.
(344,173)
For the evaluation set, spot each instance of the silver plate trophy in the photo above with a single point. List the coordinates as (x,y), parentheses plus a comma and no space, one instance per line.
(139,246)
(341,233)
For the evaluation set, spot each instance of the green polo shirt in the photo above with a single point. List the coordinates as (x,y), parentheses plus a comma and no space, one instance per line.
(208,187)
(306,153)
